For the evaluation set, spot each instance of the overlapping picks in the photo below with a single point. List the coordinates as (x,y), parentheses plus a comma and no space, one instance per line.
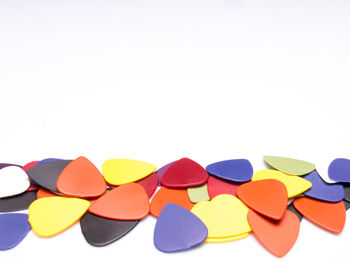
(223,203)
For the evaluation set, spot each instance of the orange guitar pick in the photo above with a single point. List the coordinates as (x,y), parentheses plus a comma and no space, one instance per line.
(81,179)
(126,202)
(44,193)
(268,197)
(330,216)
(278,237)
(167,195)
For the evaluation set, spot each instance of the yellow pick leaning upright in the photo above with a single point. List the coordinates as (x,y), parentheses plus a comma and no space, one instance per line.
(51,215)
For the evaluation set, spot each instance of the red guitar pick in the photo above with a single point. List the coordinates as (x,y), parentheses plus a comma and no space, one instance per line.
(278,237)
(268,197)
(330,216)
(81,178)
(184,173)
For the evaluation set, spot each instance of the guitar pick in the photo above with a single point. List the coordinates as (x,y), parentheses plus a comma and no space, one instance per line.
(46,174)
(268,197)
(295,185)
(199,207)
(126,202)
(42,192)
(289,165)
(330,216)
(81,178)
(339,170)
(17,202)
(198,193)
(278,237)
(225,216)
(162,170)
(291,208)
(13,229)
(323,191)
(177,229)
(13,181)
(237,170)
(99,231)
(150,184)
(123,171)
(217,186)
(184,173)
(51,215)
(168,195)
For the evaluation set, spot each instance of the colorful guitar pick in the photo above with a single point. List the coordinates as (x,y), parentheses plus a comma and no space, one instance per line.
(184,173)
(150,184)
(289,165)
(80,178)
(198,193)
(13,229)
(51,215)
(123,171)
(278,237)
(339,170)
(330,216)
(225,216)
(167,195)
(322,191)
(126,202)
(237,170)
(217,186)
(177,229)
(268,197)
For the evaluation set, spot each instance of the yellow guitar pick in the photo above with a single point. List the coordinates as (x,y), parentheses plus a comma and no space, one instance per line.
(226,218)
(123,171)
(226,239)
(295,185)
(51,215)
(198,208)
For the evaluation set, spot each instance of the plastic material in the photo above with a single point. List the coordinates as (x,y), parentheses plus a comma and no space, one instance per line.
(177,229)
(289,165)
(237,170)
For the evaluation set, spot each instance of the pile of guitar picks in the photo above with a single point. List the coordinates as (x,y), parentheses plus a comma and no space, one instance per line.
(222,203)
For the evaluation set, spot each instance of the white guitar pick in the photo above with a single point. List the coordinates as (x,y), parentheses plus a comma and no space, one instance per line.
(13,181)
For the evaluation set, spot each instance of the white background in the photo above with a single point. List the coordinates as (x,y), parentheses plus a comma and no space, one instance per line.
(159,80)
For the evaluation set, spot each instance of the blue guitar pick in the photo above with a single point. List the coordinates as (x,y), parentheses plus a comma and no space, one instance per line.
(339,170)
(178,229)
(13,228)
(322,191)
(237,170)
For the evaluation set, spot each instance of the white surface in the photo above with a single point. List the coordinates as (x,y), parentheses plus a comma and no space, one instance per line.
(159,80)
(13,181)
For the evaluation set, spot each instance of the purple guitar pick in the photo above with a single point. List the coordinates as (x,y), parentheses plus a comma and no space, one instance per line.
(322,191)
(178,229)
(339,170)
(13,228)
(237,170)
